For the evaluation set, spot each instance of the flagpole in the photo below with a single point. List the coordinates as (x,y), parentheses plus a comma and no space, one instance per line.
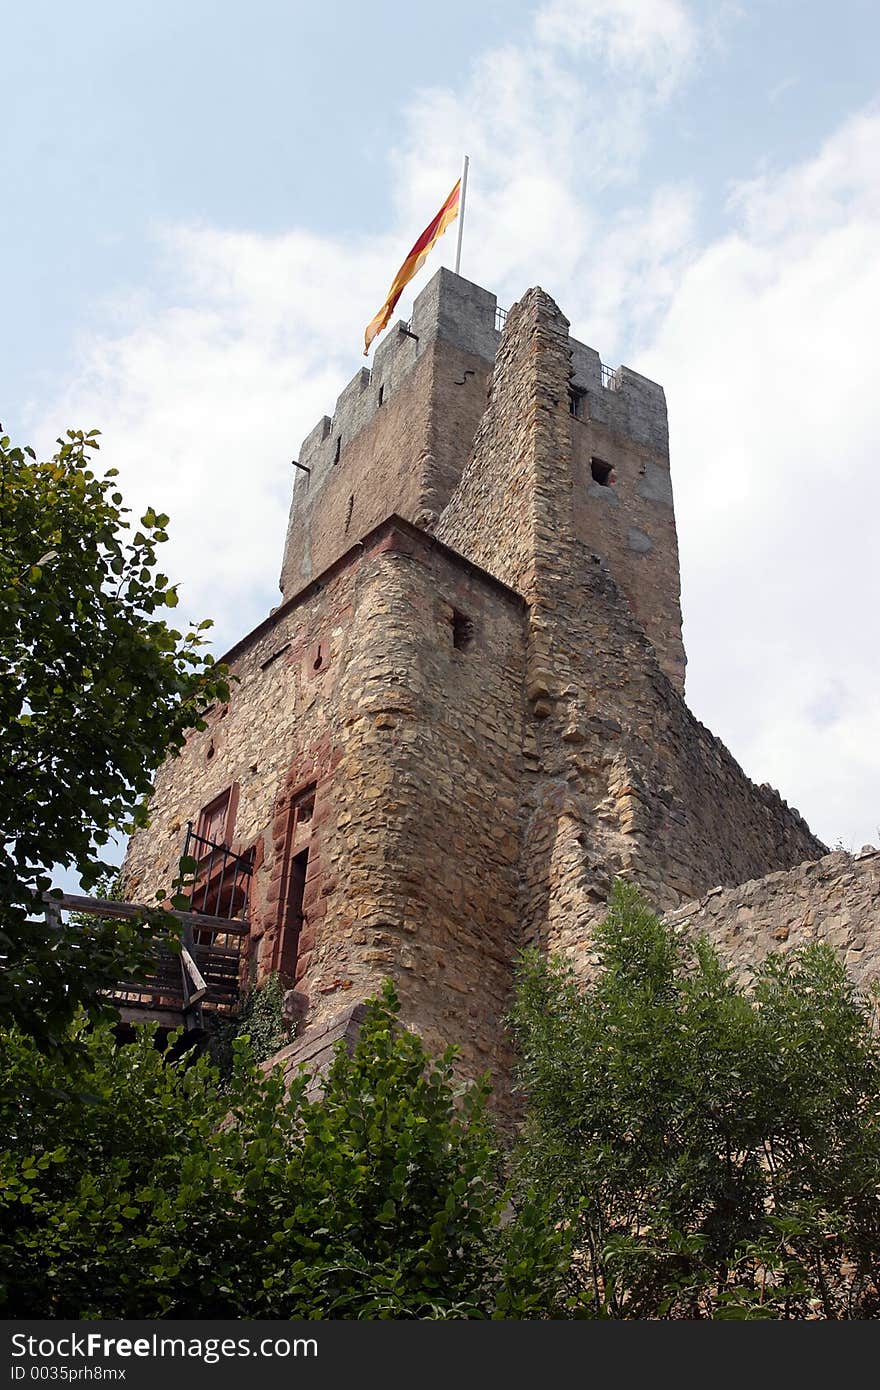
(462,196)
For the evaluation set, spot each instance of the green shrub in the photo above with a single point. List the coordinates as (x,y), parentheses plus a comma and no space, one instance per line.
(149,1189)
(712,1153)
(260,1019)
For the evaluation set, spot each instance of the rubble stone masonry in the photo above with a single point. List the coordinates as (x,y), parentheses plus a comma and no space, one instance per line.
(466,718)
(399,434)
(621,779)
(356,688)
(835,900)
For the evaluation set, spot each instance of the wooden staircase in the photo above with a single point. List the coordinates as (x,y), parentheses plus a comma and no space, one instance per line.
(177,985)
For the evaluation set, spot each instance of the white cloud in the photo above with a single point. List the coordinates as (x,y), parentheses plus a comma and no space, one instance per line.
(656,39)
(767,355)
(204,391)
(763,341)
(203,400)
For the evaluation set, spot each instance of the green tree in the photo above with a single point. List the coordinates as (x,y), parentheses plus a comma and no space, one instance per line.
(713,1153)
(95,690)
(157,1191)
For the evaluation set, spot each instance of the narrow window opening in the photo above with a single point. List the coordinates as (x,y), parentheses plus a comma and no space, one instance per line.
(575,403)
(338,449)
(348,512)
(381,393)
(210,753)
(602,472)
(264,665)
(319,659)
(462,631)
(294,916)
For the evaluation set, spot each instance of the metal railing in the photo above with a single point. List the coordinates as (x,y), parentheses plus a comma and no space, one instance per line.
(500,319)
(610,379)
(216,879)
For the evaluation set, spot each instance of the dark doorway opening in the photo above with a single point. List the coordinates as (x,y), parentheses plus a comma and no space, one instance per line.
(293,917)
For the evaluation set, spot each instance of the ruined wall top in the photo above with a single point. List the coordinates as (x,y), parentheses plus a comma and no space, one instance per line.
(835,899)
(449,308)
(467,317)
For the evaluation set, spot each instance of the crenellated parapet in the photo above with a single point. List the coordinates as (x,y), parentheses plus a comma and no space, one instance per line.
(399,433)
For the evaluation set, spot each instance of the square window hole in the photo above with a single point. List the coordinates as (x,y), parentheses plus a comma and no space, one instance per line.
(602,472)
(462,631)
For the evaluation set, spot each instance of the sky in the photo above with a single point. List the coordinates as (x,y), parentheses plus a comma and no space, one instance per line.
(205,203)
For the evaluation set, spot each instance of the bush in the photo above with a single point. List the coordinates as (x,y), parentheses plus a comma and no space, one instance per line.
(260,1018)
(155,1190)
(96,689)
(713,1153)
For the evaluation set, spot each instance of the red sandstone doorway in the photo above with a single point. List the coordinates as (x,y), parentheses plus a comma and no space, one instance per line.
(295,869)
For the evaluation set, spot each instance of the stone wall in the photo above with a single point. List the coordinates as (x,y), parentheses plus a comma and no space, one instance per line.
(836,899)
(393,687)
(620,420)
(399,434)
(620,777)
(629,520)
(626,782)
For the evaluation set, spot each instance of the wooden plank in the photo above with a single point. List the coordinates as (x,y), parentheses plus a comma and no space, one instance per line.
(162,987)
(106,907)
(198,979)
(136,1013)
(174,985)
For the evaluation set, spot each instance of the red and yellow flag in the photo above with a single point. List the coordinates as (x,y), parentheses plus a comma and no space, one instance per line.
(414,261)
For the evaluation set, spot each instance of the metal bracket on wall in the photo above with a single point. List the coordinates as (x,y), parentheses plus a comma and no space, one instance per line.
(407,332)
(300,465)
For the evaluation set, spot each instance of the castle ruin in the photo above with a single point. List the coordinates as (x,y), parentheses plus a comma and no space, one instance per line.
(466,717)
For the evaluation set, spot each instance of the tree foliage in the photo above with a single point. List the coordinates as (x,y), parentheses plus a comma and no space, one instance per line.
(95,690)
(260,1015)
(713,1153)
(158,1191)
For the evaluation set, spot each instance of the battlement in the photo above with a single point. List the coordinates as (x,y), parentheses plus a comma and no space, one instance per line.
(466,316)
(622,401)
(449,308)
(401,432)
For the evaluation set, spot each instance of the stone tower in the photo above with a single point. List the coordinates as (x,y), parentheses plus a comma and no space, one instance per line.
(466,716)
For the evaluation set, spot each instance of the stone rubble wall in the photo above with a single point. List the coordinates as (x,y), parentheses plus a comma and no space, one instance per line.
(410,450)
(414,747)
(628,783)
(620,778)
(406,455)
(835,899)
(631,524)
(402,430)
